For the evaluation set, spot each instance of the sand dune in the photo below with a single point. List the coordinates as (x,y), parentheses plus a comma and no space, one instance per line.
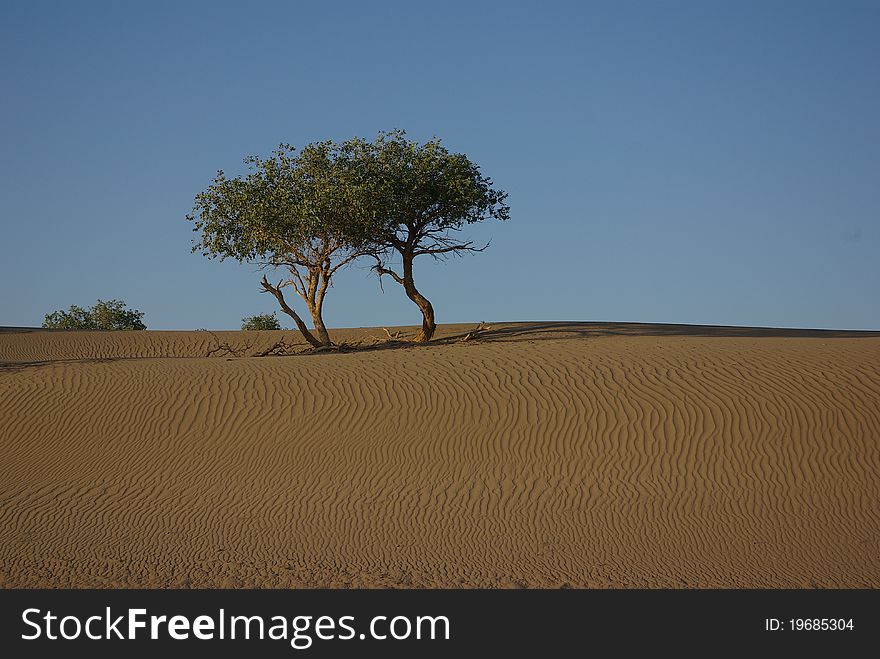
(538,455)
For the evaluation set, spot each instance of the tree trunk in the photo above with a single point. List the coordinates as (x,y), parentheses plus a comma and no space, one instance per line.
(290,312)
(320,330)
(320,280)
(428,324)
(301,326)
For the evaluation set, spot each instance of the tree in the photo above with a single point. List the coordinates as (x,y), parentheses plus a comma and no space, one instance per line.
(293,210)
(110,315)
(75,318)
(419,197)
(265,321)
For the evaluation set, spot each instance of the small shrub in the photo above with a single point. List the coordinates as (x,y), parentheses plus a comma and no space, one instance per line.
(266,321)
(110,315)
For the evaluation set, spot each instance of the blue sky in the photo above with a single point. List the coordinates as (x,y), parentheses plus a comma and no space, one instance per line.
(694,162)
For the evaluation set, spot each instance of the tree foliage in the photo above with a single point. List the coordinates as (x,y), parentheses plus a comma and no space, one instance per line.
(109,315)
(265,321)
(293,211)
(314,211)
(420,197)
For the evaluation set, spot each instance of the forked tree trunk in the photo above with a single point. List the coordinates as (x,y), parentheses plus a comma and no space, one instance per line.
(319,281)
(428,324)
(301,326)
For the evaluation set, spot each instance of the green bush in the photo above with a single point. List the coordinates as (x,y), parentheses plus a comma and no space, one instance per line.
(266,321)
(110,315)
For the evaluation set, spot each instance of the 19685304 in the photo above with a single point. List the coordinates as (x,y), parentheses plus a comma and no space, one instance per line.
(808,624)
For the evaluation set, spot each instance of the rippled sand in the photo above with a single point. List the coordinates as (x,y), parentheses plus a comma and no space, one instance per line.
(537,455)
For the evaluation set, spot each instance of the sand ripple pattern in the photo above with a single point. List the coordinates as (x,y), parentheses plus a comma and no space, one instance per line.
(541,459)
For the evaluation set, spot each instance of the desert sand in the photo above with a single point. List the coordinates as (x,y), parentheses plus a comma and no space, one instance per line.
(531,455)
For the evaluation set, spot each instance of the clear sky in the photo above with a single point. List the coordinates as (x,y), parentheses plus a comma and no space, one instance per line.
(694,162)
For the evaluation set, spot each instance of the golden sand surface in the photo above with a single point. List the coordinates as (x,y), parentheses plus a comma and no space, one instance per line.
(529,455)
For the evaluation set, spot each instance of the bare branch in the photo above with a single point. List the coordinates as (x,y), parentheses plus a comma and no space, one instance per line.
(278,263)
(297,283)
(437,250)
(380,270)
(354,255)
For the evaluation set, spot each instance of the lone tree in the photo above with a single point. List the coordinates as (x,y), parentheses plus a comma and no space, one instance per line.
(420,197)
(110,315)
(293,210)
(263,321)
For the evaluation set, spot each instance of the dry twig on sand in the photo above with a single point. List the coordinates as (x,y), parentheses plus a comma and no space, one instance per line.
(390,337)
(279,348)
(224,348)
(474,333)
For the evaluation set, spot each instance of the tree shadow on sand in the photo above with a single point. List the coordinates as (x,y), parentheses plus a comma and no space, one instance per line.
(548,331)
(402,339)
(588,330)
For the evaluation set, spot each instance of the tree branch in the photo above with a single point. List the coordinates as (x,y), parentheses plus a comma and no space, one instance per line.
(436,249)
(297,284)
(355,255)
(380,270)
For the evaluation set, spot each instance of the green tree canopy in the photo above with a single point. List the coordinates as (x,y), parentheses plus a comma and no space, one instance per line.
(317,210)
(420,196)
(264,321)
(295,211)
(109,315)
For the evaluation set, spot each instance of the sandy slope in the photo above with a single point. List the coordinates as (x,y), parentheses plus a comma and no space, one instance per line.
(540,455)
